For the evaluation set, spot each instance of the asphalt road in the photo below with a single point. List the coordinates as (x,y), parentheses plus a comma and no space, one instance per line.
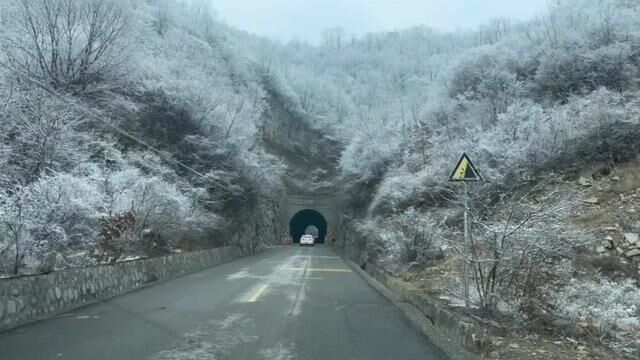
(282,304)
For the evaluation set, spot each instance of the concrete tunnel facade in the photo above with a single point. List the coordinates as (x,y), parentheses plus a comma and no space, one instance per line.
(303,210)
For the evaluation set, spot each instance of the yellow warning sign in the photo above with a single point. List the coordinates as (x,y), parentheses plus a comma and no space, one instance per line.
(465,170)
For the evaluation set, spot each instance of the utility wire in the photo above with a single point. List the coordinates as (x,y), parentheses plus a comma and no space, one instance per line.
(97,117)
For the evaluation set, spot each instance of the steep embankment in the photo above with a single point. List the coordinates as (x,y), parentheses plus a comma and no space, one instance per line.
(150,149)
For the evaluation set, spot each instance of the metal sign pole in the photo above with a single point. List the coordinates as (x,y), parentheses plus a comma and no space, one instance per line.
(465,171)
(466,245)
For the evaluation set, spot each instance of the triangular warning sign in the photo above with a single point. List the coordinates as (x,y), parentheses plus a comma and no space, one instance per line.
(465,170)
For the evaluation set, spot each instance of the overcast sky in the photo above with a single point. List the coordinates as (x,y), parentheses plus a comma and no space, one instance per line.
(305,19)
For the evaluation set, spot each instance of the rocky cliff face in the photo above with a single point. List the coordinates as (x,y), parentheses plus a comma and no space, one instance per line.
(310,154)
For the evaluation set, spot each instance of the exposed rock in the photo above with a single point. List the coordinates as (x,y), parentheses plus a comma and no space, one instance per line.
(583,181)
(589,323)
(615,178)
(625,326)
(591,201)
(608,244)
(632,253)
(48,264)
(414,267)
(631,238)
(497,341)
(600,249)
(619,250)
(610,228)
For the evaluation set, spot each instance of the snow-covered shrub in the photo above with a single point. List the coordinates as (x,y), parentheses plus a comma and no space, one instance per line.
(369,155)
(157,205)
(603,299)
(73,203)
(513,250)
(55,214)
(577,70)
(399,189)
(402,239)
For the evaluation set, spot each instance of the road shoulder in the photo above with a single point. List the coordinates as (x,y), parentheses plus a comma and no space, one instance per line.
(447,347)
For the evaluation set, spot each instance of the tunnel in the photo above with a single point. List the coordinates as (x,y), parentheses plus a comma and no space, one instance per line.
(304,219)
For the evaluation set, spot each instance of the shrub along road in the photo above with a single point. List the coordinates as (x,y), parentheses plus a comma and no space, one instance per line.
(284,303)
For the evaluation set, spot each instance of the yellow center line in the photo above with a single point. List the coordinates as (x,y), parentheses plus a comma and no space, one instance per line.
(257,294)
(320,270)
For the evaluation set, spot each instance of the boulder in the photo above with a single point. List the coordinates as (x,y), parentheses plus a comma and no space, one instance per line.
(591,201)
(589,323)
(48,264)
(608,244)
(631,238)
(600,249)
(625,326)
(632,253)
(583,181)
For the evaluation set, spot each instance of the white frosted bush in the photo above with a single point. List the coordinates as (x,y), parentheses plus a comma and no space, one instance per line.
(604,299)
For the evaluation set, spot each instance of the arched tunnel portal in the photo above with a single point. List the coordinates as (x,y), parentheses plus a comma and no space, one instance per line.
(302,220)
(303,211)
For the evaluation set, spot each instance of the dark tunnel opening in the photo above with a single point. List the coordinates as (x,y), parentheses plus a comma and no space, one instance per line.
(305,218)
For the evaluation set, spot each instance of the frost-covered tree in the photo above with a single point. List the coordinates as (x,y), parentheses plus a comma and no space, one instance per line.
(68,43)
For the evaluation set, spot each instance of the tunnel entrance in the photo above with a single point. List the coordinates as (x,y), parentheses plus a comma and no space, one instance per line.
(305,219)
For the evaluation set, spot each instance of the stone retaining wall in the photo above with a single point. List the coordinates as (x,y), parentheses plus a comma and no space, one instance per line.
(29,298)
(465,332)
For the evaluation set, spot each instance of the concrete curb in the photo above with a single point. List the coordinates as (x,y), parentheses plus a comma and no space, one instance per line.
(449,347)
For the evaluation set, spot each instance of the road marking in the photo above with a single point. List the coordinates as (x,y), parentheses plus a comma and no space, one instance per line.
(255,296)
(320,270)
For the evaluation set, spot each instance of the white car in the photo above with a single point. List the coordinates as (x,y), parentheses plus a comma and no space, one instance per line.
(306,240)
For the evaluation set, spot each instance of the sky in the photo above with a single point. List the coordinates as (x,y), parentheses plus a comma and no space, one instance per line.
(306,19)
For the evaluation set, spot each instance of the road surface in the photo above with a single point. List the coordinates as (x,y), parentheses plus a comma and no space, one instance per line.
(282,304)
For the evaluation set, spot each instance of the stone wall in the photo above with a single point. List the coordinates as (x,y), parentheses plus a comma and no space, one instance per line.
(29,298)
(464,331)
